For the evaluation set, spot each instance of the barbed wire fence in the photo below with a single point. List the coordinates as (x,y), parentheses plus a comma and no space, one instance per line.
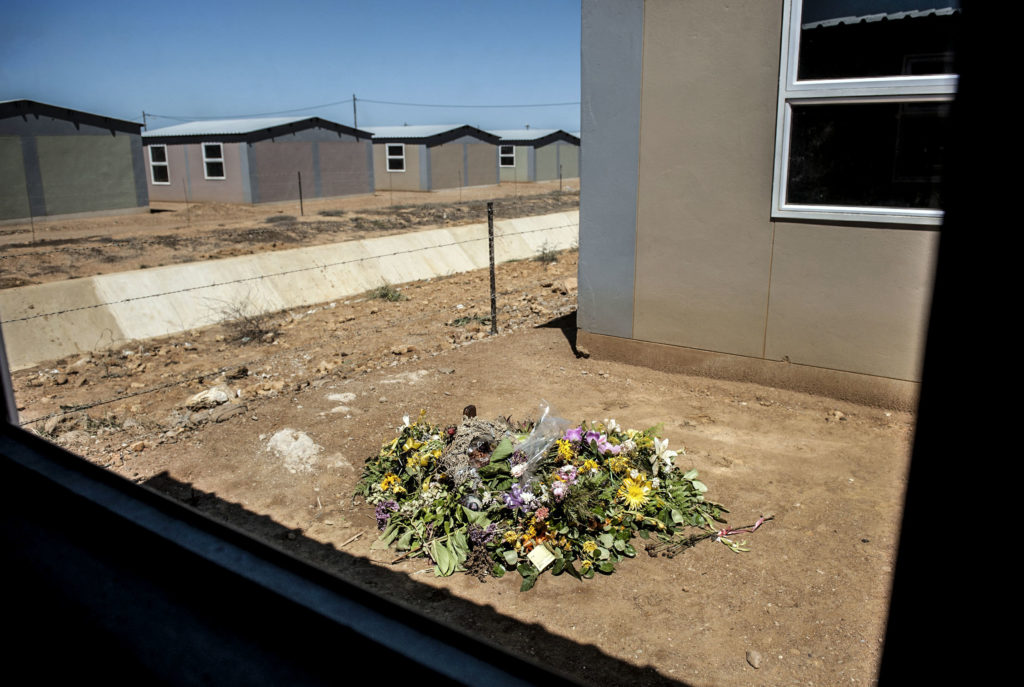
(485,303)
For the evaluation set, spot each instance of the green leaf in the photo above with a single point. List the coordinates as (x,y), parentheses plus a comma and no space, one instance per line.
(607,567)
(690,475)
(699,486)
(606,539)
(478,517)
(498,570)
(630,551)
(445,561)
(559,567)
(571,569)
(528,583)
(405,541)
(620,545)
(605,553)
(677,517)
(644,534)
(503,451)
(511,557)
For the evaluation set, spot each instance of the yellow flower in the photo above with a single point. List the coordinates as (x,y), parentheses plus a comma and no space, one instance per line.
(389,481)
(587,565)
(634,492)
(399,490)
(510,536)
(619,463)
(589,547)
(590,464)
(565,450)
(426,484)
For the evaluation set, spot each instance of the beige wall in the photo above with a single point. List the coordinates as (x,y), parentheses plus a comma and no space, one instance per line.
(446,166)
(707,134)
(713,271)
(521,172)
(482,161)
(409,180)
(187,175)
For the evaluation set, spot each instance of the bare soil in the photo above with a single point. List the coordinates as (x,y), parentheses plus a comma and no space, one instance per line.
(45,251)
(807,604)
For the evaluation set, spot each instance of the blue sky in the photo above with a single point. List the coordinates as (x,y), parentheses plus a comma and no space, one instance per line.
(193,59)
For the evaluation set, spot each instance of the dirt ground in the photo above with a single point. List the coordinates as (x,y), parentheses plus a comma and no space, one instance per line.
(310,401)
(175,232)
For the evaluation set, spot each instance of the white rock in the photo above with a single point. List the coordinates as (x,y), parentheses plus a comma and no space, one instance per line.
(209,398)
(298,451)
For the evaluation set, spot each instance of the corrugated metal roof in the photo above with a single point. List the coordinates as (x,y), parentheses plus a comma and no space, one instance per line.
(521,134)
(882,16)
(415,131)
(223,127)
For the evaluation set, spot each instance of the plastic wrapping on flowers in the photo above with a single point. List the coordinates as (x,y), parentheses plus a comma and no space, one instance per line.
(490,497)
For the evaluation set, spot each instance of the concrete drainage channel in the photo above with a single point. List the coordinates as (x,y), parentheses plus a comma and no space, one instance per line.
(48,321)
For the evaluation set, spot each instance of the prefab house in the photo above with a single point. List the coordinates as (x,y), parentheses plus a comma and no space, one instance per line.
(257,160)
(55,161)
(767,213)
(430,157)
(537,154)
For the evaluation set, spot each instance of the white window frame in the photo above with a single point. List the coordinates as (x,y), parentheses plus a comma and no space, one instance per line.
(166,164)
(206,169)
(389,157)
(930,88)
(504,155)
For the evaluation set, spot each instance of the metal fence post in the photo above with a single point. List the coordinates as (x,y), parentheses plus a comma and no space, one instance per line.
(490,251)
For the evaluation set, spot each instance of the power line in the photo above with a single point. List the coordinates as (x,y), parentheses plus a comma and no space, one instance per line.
(187,118)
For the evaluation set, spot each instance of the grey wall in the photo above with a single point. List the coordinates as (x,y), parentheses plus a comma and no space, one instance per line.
(611,68)
(53,167)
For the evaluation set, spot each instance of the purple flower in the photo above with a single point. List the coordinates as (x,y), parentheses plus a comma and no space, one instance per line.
(559,490)
(383,512)
(575,434)
(604,447)
(519,499)
(479,536)
(568,473)
(591,436)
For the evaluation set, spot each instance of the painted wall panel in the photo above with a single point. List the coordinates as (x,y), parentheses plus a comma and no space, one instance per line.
(521,171)
(275,167)
(343,168)
(446,166)
(86,173)
(851,297)
(556,154)
(230,189)
(13,191)
(569,158)
(482,164)
(409,180)
(611,69)
(177,173)
(706,157)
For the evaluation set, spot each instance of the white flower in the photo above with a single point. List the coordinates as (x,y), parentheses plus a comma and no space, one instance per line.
(634,473)
(528,496)
(611,425)
(518,470)
(627,446)
(662,456)
(405,419)
(655,483)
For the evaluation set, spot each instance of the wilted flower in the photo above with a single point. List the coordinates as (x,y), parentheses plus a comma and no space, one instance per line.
(662,456)
(383,513)
(541,514)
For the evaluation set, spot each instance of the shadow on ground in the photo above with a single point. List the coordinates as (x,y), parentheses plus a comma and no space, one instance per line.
(486,624)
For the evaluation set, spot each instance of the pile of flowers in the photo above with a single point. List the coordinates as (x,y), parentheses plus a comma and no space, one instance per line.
(538,496)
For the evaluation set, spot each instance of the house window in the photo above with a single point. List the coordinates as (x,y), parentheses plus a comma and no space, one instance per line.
(861,133)
(159,168)
(507,156)
(213,161)
(396,157)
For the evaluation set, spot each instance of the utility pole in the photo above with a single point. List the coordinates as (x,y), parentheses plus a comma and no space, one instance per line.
(355,119)
(144,120)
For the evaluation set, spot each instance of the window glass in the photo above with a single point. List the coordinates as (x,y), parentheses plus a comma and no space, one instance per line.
(161,175)
(158,154)
(507,156)
(868,154)
(211,150)
(845,39)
